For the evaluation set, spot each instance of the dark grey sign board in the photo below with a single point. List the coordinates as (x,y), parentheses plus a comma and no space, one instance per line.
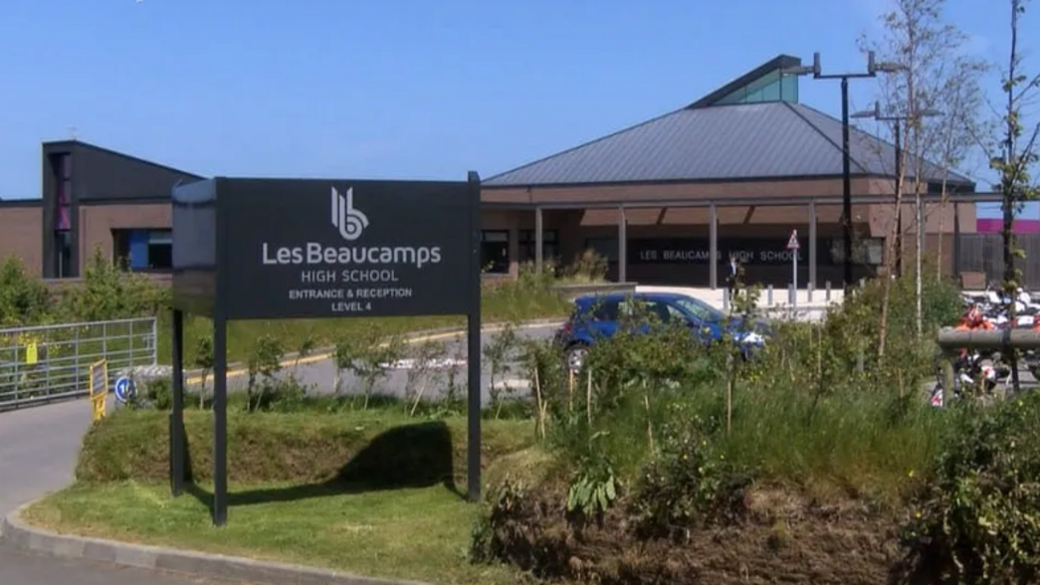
(316,248)
(307,248)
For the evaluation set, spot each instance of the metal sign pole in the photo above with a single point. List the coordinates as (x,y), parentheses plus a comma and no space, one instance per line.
(792,246)
(794,277)
(177,416)
(473,333)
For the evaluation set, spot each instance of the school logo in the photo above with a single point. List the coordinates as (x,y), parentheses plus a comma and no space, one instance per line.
(349,221)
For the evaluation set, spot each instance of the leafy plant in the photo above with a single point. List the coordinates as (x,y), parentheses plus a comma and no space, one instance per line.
(264,361)
(203,359)
(24,300)
(596,486)
(499,352)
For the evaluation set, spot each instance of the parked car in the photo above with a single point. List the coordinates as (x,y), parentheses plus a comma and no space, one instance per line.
(596,317)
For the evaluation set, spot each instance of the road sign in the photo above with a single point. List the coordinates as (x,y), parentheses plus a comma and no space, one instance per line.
(124,388)
(792,242)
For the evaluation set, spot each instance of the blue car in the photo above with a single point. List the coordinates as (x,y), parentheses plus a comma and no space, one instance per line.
(598,317)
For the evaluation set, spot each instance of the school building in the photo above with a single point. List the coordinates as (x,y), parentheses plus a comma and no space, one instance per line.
(732,173)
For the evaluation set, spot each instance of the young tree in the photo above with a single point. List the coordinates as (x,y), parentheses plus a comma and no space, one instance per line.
(958,131)
(1016,155)
(923,46)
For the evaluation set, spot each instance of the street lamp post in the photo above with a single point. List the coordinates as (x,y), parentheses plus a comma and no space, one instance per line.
(897,121)
(846,172)
(919,206)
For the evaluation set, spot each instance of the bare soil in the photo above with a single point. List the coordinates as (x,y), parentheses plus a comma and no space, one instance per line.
(779,538)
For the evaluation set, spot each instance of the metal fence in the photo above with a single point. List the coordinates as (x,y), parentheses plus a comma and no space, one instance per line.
(51,362)
(984,253)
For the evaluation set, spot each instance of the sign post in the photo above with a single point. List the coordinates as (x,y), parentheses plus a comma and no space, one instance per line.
(265,249)
(98,375)
(792,246)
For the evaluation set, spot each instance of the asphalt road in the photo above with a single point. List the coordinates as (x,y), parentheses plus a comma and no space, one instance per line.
(38,448)
(407,375)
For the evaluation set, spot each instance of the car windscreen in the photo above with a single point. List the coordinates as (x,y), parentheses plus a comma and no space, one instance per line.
(700,310)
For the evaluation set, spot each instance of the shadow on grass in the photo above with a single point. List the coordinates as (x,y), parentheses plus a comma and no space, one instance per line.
(410,456)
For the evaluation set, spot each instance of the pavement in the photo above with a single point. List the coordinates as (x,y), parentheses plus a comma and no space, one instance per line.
(38,448)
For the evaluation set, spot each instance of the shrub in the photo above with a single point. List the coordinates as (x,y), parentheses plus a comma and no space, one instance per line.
(109,291)
(978,522)
(24,300)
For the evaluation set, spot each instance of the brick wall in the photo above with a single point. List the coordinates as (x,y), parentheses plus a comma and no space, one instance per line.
(21,235)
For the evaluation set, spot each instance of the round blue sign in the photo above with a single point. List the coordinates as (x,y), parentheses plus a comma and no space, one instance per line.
(124,389)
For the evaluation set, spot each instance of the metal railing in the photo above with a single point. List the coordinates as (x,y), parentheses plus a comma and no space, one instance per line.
(51,362)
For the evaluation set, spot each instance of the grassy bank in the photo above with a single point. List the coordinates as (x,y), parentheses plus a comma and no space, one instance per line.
(418,534)
(377,446)
(370,492)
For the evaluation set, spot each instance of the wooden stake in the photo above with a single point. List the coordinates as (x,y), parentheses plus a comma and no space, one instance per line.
(588,398)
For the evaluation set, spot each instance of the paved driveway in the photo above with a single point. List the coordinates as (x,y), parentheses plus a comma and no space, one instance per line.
(38,448)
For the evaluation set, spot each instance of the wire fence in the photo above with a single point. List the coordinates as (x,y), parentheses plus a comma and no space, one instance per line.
(51,362)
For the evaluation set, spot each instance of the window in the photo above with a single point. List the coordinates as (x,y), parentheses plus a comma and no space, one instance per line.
(605,247)
(550,247)
(700,310)
(771,87)
(494,251)
(62,253)
(143,249)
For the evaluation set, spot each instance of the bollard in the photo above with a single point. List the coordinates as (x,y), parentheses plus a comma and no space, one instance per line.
(828,297)
(725,300)
(769,296)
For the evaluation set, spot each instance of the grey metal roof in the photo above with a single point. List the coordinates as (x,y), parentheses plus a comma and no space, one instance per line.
(733,142)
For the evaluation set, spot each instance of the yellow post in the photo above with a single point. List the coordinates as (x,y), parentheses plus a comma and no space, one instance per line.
(98,389)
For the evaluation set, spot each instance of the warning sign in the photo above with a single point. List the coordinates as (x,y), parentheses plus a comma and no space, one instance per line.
(792,243)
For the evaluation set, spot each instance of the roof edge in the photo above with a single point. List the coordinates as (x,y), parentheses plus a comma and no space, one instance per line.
(57,144)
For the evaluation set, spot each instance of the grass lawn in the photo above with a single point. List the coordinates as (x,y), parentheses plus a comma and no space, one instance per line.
(416,533)
(505,302)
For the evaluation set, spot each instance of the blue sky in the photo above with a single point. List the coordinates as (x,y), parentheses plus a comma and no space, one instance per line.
(401,89)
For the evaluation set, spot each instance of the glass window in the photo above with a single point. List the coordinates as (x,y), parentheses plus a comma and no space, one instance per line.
(62,253)
(606,311)
(700,310)
(550,247)
(143,249)
(494,251)
(605,247)
(771,87)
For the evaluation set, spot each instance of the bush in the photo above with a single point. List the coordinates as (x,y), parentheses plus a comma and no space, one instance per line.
(24,300)
(110,291)
(978,522)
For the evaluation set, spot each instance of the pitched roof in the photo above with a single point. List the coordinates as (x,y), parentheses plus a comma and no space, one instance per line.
(719,143)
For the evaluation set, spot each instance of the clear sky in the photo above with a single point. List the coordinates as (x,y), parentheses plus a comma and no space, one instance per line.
(406,89)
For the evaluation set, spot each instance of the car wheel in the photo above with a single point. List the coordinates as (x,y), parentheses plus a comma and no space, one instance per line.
(576,356)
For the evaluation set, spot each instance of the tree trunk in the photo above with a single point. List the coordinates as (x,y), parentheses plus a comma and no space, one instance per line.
(943,201)
(889,263)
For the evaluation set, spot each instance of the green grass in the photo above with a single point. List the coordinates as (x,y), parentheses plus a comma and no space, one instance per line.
(370,492)
(501,303)
(378,446)
(418,534)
